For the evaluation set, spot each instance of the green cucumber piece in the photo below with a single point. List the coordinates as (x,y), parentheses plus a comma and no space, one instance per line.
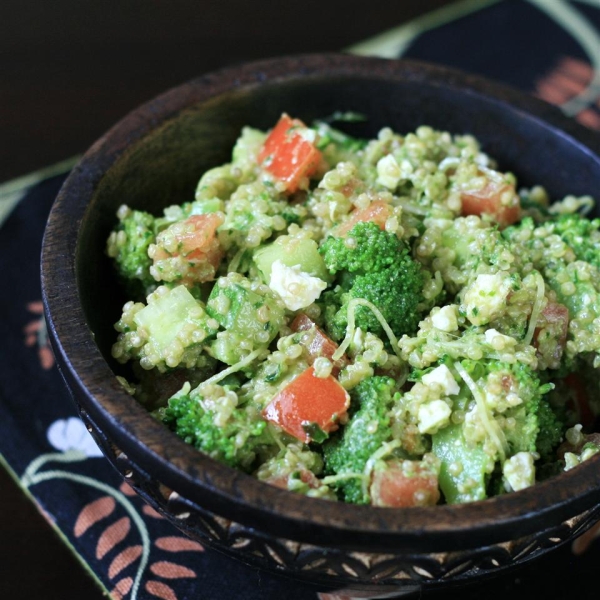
(292,252)
(464,468)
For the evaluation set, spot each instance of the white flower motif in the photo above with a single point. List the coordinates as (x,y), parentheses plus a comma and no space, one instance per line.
(71,434)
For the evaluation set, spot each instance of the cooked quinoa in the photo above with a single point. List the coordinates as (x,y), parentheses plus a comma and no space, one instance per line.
(389,321)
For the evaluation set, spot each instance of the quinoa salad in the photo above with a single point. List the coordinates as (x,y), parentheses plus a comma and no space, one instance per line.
(389,321)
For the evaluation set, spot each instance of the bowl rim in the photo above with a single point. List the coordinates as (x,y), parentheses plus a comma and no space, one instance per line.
(215,486)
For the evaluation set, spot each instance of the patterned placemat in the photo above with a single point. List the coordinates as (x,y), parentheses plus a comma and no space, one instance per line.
(550,48)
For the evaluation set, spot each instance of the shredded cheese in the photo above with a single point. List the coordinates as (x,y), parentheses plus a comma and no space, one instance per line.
(234,368)
(351,327)
(490,425)
(537,308)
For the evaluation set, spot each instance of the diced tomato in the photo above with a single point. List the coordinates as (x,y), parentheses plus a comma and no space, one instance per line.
(199,245)
(377,212)
(489,200)
(317,343)
(404,483)
(580,403)
(555,319)
(307,404)
(288,155)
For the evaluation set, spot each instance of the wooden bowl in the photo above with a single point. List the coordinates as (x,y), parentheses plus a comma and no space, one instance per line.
(153,158)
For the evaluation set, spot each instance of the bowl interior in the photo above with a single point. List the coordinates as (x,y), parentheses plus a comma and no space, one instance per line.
(155,157)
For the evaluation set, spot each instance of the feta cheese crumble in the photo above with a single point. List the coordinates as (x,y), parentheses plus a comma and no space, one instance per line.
(519,471)
(499,341)
(442,376)
(296,288)
(446,318)
(485,298)
(433,416)
(388,172)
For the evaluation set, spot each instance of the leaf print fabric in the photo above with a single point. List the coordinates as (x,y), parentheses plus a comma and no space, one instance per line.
(71,434)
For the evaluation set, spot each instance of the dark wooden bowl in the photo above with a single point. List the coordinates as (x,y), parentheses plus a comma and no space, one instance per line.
(153,158)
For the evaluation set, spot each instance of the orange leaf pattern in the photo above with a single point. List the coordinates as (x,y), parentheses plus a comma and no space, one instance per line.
(122,588)
(112,535)
(123,560)
(160,590)
(150,512)
(36,334)
(169,570)
(117,531)
(177,543)
(126,489)
(568,79)
(92,513)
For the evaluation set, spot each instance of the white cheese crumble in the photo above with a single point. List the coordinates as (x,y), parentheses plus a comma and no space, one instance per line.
(446,318)
(519,471)
(485,298)
(499,341)
(442,376)
(433,416)
(296,288)
(388,172)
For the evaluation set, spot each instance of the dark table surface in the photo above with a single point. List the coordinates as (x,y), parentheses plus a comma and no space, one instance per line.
(69,71)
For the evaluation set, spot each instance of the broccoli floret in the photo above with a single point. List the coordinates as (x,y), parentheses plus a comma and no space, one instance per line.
(581,235)
(368,428)
(376,266)
(366,248)
(128,245)
(550,431)
(166,333)
(212,422)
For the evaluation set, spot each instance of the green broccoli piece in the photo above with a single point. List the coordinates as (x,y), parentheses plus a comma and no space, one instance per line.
(166,333)
(581,235)
(550,431)
(562,240)
(369,427)
(128,246)
(376,266)
(217,426)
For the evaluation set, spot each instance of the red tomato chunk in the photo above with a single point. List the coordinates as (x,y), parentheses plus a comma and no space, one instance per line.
(199,245)
(288,155)
(489,200)
(308,402)
(317,343)
(404,483)
(377,212)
